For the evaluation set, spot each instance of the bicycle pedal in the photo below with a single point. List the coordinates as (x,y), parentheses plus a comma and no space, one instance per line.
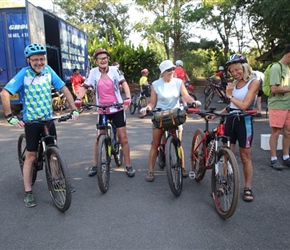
(191,175)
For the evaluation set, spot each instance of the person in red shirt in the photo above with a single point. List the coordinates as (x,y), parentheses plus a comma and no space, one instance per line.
(180,73)
(76,81)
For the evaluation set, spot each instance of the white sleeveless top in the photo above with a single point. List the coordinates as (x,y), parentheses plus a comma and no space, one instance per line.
(240,94)
(167,93)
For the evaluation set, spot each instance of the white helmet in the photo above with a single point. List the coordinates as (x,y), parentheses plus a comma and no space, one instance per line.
(221,68)
(179,63)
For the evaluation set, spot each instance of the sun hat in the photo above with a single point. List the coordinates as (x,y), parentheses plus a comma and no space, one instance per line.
(167,64)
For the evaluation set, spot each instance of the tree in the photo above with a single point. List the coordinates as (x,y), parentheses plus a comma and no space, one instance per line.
(97,17)
(170,25)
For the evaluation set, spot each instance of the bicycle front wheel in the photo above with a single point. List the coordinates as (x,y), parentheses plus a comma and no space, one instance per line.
(58,178)
(161,156)
(198,155)
(225,183)
(208,99)
(207,89)
(132,107)
(104,158)
(21,152)
(142,103)
(118,155)
(173,166)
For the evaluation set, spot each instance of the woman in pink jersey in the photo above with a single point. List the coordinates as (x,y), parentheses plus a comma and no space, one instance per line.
(106,81)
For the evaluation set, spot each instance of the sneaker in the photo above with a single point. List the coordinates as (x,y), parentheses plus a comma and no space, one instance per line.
(149,177)
(130,171)
(184,173)
(29,200)
(276,165)
(286,162)
(72,189)
(93,171)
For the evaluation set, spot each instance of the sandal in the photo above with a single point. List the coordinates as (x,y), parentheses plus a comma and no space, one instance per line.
(149,176)
(248,194)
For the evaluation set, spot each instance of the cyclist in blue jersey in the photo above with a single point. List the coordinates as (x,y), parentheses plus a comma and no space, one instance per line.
(34,82)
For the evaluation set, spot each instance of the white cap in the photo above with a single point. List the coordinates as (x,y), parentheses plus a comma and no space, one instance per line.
(167,64)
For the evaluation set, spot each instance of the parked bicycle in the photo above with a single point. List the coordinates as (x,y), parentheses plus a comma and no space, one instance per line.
(211,150)
(59,101)
(108,146)
(139,99)
(49,155)
(212,88)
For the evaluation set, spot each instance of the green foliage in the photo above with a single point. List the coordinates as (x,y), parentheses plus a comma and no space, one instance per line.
(97,17)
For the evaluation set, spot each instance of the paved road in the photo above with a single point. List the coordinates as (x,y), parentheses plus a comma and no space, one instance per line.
(135,214)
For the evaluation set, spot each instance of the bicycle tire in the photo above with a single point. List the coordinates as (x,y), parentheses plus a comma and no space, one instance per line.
(118,157)
(21,152)
(58,178)
(208,99)
(142,103)
(161,157)
(198,155)
(103,163)
(173,166)
(207,89)
(225,184)
(132,107)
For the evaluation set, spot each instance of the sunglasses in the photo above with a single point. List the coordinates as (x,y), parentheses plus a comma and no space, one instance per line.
(169,70)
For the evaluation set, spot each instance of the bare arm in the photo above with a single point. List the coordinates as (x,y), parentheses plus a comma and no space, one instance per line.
(277,89)
(126,90)
(5,97)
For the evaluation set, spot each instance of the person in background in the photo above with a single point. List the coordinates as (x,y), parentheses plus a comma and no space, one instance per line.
(76,81)
(165,94)
(223,76)
(34,82)
(144,78)
(106,80)
(279,109)
(180,72)
(260,76)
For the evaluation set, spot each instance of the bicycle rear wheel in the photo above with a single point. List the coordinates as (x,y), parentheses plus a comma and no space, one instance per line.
(58,178)
(173,166)
(207,89)
(21,152)
(118,155)
(132,107)
(103,164)
(225,183)
(208,99)
(197,155)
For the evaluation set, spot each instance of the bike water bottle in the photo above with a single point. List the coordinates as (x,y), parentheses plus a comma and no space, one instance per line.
(221,129)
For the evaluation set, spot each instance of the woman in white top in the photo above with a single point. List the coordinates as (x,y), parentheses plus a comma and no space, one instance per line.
(165,94)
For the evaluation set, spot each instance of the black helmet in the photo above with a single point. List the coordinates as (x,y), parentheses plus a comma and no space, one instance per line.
(236,58)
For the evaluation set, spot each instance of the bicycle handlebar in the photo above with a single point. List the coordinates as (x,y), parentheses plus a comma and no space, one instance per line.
(116,105)
(204,113)
(60,118)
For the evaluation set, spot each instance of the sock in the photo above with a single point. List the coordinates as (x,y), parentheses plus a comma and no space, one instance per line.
(285,157)
(273,158)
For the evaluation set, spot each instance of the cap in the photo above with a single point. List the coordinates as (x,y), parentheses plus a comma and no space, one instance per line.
(167,64)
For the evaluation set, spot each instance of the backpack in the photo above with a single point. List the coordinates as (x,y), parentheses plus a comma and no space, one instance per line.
(266,84)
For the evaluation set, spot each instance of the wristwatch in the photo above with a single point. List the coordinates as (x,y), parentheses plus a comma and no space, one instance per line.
(231,97)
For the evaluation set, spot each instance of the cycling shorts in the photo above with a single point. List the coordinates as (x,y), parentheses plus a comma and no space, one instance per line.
(240,128)
(33,133)
(118,119)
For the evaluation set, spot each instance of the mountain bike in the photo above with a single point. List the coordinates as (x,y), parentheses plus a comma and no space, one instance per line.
(108,145)
(59,101)
(211,150)
(212,88)
(139,99)
(169,156)
(49,155)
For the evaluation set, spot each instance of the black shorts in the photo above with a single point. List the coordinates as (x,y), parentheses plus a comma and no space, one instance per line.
(240,128)
(118,119)
(260,93)
(33,133)
(146,90)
